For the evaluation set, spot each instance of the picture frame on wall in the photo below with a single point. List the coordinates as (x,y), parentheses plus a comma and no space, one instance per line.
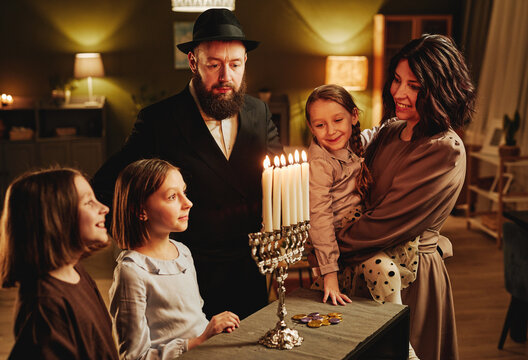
(494,138)
(183,31)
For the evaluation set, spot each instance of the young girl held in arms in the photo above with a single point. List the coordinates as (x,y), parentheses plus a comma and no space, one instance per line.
(155,302)
(50,219)
(339,182)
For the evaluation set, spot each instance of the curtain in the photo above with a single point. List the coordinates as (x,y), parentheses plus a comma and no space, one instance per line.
(503,82)
(477,16)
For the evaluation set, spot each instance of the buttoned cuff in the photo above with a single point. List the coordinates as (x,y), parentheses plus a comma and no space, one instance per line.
(332,267)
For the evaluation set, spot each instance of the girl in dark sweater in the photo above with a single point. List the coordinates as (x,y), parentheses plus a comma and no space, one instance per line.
(50,219)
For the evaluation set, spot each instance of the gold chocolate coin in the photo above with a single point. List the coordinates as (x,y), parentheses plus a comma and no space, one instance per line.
(335,314)
(325,322)
(315,323)
(298,316)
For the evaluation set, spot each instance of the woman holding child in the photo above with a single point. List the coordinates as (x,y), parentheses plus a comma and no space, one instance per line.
(417,165)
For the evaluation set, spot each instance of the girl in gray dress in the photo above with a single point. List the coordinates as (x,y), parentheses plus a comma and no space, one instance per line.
(154,299)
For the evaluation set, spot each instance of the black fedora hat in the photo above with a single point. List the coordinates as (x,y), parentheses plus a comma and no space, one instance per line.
(217,25)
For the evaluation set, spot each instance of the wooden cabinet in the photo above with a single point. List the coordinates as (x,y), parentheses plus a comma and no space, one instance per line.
(69,135)
(391,33)
(496,188)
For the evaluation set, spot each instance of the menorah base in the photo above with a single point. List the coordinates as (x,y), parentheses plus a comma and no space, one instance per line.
(274,252)
(282,337)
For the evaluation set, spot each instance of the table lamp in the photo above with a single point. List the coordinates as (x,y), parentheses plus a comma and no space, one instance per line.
(351,72)
(88,65)
(201,5)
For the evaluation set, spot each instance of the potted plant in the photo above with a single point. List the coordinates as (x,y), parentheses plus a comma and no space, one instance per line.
(146,97)
(510,127)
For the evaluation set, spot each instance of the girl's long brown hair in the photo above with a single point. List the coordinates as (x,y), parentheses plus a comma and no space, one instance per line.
(341,96)
(39,228)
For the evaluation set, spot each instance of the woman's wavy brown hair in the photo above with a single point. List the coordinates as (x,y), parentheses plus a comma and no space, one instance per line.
(39,228)
(447,95)
(341,96)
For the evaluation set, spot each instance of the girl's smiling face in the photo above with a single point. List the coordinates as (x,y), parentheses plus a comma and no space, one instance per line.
(91,214)
(404,90)
(331,124)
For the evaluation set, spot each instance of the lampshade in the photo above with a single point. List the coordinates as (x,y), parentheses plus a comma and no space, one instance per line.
(201,5)
(351,72)
(88,64)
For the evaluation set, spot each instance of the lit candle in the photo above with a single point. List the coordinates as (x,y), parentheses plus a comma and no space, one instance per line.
(4,99)
(267,181)
(305,174)
(285,190)
(298,186)
(9,100)
(293,191)
(277,173)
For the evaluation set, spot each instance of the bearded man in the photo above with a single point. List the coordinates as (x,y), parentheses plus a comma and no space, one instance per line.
(219,137)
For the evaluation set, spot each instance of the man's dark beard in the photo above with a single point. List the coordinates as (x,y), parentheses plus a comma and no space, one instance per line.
(214,105)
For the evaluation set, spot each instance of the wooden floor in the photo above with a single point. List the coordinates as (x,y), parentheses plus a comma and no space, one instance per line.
(481,300)
(476,273)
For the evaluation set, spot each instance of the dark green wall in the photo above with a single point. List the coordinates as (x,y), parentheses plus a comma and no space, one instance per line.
(135,38)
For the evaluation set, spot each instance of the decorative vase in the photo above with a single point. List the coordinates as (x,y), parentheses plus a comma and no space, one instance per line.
(57,97)
(509,150)
(67,96)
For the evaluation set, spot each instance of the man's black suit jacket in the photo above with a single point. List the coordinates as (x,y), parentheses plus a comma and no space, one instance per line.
(226,194)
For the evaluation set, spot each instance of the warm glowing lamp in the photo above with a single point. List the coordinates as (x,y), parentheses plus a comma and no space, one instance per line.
(88,65)
(201,5)
(351,72)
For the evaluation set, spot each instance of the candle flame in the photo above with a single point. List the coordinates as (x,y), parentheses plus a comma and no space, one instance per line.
(283,160)
(290,159)
(267,162)
(304,156)
(276,161)
(297,156)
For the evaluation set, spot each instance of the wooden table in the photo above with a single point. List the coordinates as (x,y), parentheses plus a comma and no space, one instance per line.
(368,331)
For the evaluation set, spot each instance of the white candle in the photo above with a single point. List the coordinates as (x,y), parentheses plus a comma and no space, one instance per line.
(298,186)
(285,192)
(293,191)
(277,194)
(267,181)
(305,175)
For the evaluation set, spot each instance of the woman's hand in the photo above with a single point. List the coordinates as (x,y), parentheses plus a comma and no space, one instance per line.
(223,322)
(331,289)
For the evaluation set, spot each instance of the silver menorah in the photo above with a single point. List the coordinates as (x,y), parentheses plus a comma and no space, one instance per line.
(275,252)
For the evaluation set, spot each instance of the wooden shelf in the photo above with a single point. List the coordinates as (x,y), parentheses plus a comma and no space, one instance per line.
(477,223)
(83,149)
(495,194)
